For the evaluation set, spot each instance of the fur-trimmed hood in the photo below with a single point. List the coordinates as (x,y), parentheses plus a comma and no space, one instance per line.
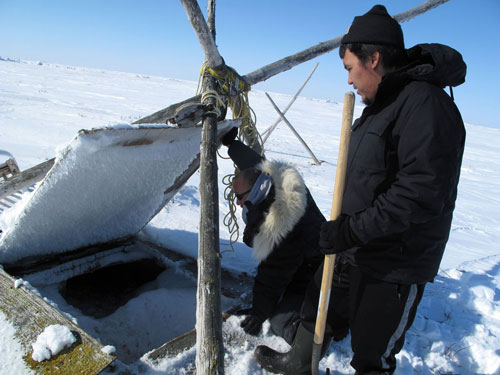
(290,203)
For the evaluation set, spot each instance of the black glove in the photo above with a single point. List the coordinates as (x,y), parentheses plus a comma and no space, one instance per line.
(229,137)
(251,325)
(337,236)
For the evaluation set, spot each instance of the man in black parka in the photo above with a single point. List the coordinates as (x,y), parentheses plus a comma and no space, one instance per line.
(403,169)
(282,226)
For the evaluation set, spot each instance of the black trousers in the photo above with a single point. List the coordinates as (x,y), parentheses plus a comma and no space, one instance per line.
(377,313)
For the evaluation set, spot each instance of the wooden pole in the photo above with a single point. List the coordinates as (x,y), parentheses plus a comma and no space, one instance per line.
(338,194)
(287,63)
(209,343)
(202,32)
(211,17)
(316,161)
(273,126)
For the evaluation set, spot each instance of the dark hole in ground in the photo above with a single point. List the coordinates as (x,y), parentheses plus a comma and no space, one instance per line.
(102,292)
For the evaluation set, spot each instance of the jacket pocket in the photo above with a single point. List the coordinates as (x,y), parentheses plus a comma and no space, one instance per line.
(374,160)
(374,145)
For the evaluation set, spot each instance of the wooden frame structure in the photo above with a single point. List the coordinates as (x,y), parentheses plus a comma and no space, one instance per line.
(209,357)
(210,350)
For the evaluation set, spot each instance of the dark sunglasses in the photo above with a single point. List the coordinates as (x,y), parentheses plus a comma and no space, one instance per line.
(241,195)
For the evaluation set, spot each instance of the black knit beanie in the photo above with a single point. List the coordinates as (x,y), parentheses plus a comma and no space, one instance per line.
(375,27)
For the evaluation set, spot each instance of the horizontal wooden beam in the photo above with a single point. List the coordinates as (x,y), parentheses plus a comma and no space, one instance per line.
(289,62)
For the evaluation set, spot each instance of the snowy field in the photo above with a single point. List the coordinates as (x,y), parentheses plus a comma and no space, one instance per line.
(457,328)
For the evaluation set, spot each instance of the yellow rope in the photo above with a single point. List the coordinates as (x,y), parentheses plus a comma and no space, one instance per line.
(213,94)
(235,91)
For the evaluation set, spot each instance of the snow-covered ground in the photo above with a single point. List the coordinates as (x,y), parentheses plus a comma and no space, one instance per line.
(457,329)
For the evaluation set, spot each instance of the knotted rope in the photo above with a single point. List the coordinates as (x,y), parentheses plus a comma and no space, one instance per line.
(232,91)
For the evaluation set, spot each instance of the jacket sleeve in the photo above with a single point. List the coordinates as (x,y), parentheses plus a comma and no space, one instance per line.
(429,147)
(243,156)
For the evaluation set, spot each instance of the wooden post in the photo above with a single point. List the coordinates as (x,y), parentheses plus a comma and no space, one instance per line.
(209,343)
(316,161)
(210,348)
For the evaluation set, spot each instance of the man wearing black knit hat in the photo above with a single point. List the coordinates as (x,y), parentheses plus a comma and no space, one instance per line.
(402,175)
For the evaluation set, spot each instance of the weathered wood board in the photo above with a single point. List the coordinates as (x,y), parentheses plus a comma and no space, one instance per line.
(30,315)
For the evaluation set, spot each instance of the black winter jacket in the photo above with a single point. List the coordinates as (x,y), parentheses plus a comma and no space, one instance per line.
(403,169)
(284,233)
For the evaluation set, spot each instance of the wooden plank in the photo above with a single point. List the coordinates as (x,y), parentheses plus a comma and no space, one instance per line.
(34,264)
(30,315)
(167,114)
(8,169)
(25,178)
(181,343)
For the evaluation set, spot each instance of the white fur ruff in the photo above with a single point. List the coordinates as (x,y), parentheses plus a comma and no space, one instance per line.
(288,207)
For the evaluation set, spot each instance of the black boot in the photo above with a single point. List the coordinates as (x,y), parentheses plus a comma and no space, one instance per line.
(297,361)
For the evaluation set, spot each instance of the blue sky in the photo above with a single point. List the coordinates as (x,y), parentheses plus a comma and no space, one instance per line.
(154,37)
